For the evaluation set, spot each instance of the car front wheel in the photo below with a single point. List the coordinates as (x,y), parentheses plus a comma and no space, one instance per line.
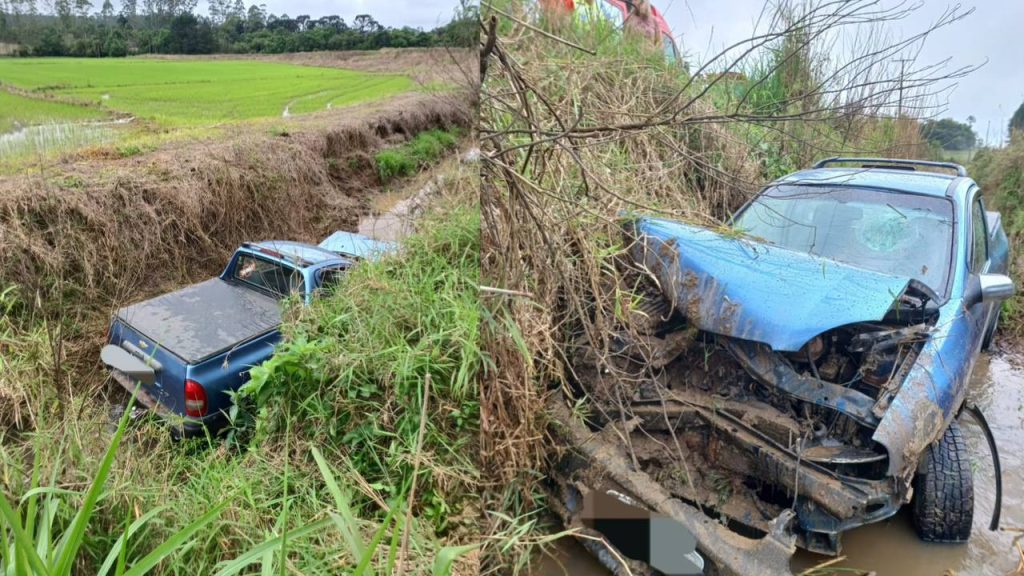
(944,490)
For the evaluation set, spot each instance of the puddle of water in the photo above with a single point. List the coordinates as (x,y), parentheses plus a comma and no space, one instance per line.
(892,548)
(52,137)
(567,558)
(397,222)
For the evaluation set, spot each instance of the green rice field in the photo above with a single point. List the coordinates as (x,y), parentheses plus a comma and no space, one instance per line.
(17,111)
(180,92)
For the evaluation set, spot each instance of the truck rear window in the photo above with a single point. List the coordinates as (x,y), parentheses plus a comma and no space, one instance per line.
(267,275)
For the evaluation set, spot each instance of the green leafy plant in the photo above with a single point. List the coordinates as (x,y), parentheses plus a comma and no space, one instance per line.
(393,164)
(29,545)
(129,150)
(350,373)
(423,150)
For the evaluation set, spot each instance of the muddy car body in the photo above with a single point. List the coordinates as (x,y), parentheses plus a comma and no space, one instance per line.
(811,360)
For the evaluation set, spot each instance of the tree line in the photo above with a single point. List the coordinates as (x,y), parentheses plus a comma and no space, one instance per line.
(80,28)
(949,134)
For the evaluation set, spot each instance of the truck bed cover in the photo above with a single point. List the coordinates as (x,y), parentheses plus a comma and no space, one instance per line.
(205,319)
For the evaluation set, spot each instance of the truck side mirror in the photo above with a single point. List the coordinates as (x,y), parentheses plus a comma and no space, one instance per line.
(988,289)
(995,288)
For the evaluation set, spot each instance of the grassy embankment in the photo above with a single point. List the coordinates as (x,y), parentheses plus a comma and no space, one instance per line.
(586,138)
(172,99)
(79,242)
(350,381)
(407,159)
(1000,174)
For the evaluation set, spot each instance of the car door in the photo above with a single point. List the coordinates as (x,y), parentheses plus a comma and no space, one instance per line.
(979,263)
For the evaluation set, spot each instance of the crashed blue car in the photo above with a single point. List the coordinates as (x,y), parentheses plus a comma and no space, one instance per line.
(185,352)
(802,371)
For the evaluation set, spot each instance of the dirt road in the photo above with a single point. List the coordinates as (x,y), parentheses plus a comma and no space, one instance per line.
(891,548)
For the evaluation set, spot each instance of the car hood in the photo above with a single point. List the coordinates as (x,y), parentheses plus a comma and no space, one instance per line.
(755,291)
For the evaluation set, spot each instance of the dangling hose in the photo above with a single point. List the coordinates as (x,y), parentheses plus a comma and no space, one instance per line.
(980,419)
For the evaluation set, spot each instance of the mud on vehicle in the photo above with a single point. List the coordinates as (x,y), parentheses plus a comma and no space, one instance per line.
(799,374)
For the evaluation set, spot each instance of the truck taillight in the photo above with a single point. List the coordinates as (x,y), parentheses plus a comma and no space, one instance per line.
(195,399)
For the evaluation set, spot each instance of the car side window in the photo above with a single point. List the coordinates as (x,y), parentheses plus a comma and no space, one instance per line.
(979,244)
(267,275)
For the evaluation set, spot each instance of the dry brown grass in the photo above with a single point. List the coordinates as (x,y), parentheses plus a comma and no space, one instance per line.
(82,237)
(551,236)
(95,231)
(573,142)
(550,209)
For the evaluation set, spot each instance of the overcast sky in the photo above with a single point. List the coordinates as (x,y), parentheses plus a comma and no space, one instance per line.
(993,33)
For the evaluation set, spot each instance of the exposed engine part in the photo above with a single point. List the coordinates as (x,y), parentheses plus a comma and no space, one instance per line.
(743,433)
(918,304)
(833,367)
(763,364)
(882,340)
(810,352)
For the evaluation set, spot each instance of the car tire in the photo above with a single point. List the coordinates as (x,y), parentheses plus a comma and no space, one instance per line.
(944,490)
(990,334)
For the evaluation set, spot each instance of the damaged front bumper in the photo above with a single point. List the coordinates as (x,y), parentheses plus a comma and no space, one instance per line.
(599,463)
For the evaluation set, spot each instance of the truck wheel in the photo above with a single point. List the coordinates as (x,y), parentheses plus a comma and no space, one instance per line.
(944,490)
(990,335)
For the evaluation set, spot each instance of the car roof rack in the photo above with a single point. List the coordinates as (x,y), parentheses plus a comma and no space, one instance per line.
(893,163)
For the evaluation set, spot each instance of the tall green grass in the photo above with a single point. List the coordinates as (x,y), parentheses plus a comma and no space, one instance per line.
(320,478)
(30,545)
(35,542)
(352,370)
(407,159)
(26,360)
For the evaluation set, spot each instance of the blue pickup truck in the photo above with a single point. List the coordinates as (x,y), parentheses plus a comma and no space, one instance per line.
(186,350)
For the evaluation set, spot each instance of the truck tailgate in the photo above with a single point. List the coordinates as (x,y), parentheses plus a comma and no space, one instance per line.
(199,321)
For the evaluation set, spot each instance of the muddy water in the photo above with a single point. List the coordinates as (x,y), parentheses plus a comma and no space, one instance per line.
(567,558)
(50,137)
(892,548)
(397,221)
